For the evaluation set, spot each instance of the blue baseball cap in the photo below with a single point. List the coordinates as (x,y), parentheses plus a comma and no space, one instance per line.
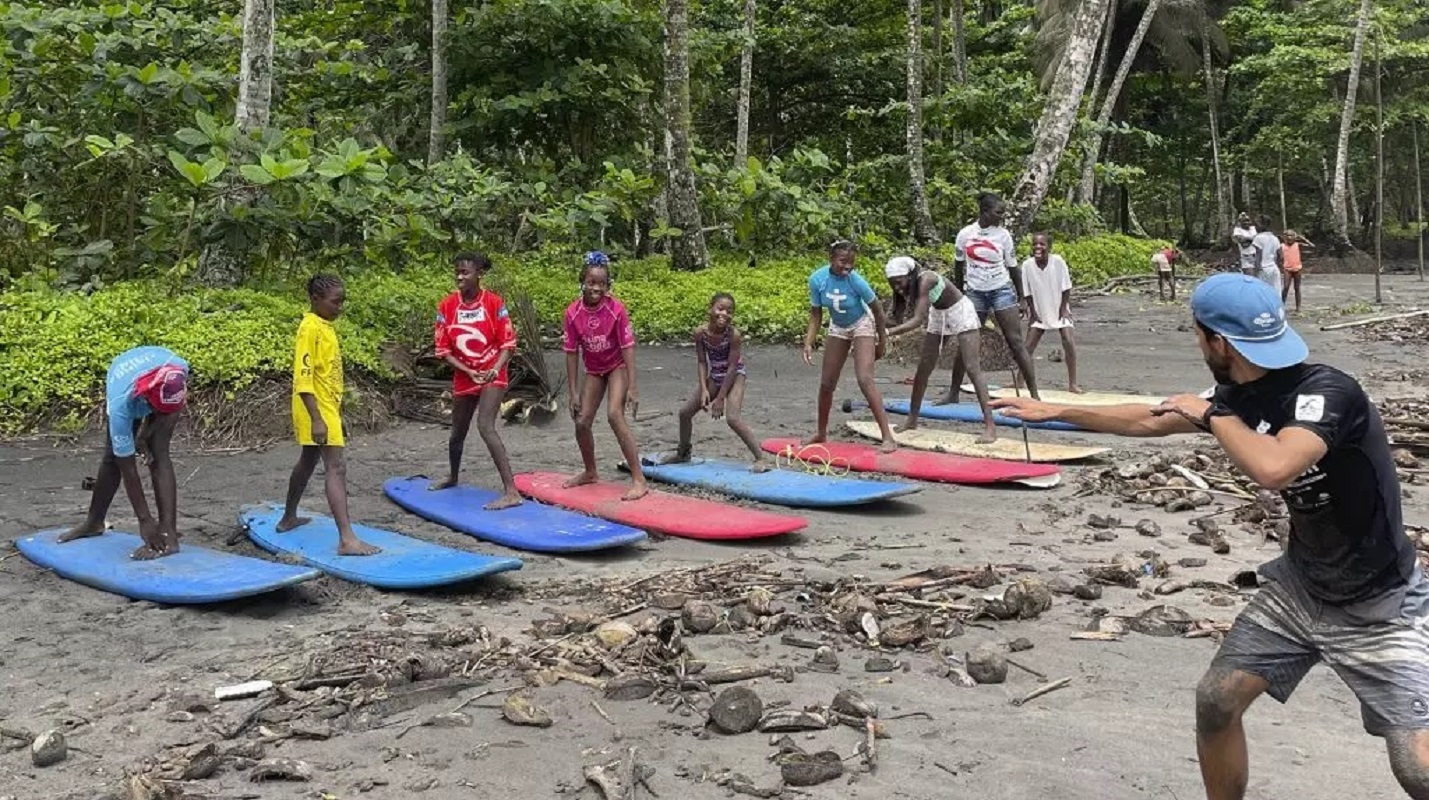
(1247,312)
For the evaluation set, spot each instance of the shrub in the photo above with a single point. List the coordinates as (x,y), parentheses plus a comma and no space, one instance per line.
(56,347)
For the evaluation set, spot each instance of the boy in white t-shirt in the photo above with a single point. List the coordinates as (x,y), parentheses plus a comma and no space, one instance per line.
(1047,287)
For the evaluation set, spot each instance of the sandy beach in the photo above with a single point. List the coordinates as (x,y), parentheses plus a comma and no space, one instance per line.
(131,684)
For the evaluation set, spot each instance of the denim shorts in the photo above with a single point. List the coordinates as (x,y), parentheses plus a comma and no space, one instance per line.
(988,301)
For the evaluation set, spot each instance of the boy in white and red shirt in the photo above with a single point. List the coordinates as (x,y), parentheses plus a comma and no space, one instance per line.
(475,336)
(598,333)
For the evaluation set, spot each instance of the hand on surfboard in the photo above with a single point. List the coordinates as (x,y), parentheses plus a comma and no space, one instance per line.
(1025,408)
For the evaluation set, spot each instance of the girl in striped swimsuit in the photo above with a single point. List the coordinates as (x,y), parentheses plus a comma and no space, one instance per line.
(719,380)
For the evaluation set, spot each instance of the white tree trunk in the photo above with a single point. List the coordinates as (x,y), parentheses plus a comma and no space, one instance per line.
(436,146)
(1087,186)
(255,66)
(1098,75)
(1224,222)
(1339,204)
(688,250)
(1059,115)
(923,231)
(746,87)
(960,42)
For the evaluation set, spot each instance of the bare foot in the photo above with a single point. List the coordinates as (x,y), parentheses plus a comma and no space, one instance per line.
(1075,389)
(508,500)
(818,438)
(636,492)
(988,437)
(356,547)
(81,531)
(580,480)
(911,424)
(760,466)
(288,523)
(681,456)
(947,399)
(147,553)
(888,446)
(437,486)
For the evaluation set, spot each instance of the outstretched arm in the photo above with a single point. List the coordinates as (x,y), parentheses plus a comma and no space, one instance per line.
(1124,420)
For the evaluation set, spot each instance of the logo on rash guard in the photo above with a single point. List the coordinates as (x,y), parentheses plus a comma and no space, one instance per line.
(463,337)
(838,298)
(1310,407)
(975,248)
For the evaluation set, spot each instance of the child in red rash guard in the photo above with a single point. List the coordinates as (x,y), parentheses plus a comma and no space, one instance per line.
(475,335)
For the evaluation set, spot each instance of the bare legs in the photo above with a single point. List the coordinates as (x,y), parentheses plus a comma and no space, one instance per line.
(335,486)
(1069,350)
(1221,700)
(1291,278)
(485,406)
(614,386)
(733,408)
(836,352)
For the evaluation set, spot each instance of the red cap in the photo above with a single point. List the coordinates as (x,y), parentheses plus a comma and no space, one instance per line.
(166,388)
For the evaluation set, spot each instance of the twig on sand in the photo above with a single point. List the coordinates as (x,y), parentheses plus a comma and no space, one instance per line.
(870,744)
(1030,671)
(601,712)
(1046,688)
(945,768)
(459,706)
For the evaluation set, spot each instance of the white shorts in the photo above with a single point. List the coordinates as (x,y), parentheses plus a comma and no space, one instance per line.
(960,317)
(1162,265)
(1270,275)
(864,327)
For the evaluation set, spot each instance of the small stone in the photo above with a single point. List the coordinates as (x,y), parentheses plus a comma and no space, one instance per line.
(179,717)
(280,769)
(986,664)
(1161,621)
(203,763)
(905,632)
(791,720)
(672,601)
(853,704)
(630,686)
(1104,536)
(1207,525)
(740,618)
(800,641)
(1220,546)
(1087,591)
(1148,527)
(615,634)
(1222,600)
(954,629)
(824,660)
(736,710)
(1103,522)
(1027,598)
(700,617)
(1061,584)
(1191,562)
(760,602)
(455,719)
(1019,645)
(879,664)
(517,710)
(798,769)
(49,748)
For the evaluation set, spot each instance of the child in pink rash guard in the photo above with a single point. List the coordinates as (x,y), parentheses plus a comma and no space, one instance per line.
(597,329)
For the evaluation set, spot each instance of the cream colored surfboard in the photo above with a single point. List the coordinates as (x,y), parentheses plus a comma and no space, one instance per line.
(1069,399)
(1006,448)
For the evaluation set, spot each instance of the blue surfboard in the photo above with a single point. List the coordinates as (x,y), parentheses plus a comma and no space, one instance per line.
(780,487)
(529,526)
(404,563)
(191,576)
(971,412)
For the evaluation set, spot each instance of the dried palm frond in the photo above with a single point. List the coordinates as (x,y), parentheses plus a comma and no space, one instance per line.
(532,390)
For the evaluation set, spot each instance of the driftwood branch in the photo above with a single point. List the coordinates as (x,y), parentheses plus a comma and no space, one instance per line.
(1359,323)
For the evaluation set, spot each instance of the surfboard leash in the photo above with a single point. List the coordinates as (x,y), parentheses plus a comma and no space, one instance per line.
(815,464)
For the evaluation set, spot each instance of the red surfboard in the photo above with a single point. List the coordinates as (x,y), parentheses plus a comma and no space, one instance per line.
(660,512)
(921,465)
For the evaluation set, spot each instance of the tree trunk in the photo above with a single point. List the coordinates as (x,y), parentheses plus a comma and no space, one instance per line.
(255,66)
(1378,172)
(687,251)
(746,84)
(938,12)
(1418,197)
(220,264)
(1059,115)
(1098,74)
(922,221)
(960,43)
(1339,210)
(436,147)
(1087,186)
(1280,185)
(1224,223)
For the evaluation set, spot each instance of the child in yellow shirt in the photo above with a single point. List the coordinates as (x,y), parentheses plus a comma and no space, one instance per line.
(317,413)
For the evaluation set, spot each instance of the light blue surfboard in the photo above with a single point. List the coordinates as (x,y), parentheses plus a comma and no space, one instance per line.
(192,576)
(969,412)
(780,487)
(404,563)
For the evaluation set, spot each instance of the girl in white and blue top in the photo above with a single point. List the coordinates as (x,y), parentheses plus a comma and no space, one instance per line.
(856,324)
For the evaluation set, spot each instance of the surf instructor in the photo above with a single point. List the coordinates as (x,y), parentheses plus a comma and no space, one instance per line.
(1348,590)
(145,390)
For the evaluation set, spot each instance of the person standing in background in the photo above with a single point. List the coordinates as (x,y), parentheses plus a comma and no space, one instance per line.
(1290,259)
(1266,246)
(1243,235)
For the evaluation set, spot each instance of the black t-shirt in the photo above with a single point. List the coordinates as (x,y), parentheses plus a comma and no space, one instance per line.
(1347,541)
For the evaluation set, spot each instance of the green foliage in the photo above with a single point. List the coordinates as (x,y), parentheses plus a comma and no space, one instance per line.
(55,347)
